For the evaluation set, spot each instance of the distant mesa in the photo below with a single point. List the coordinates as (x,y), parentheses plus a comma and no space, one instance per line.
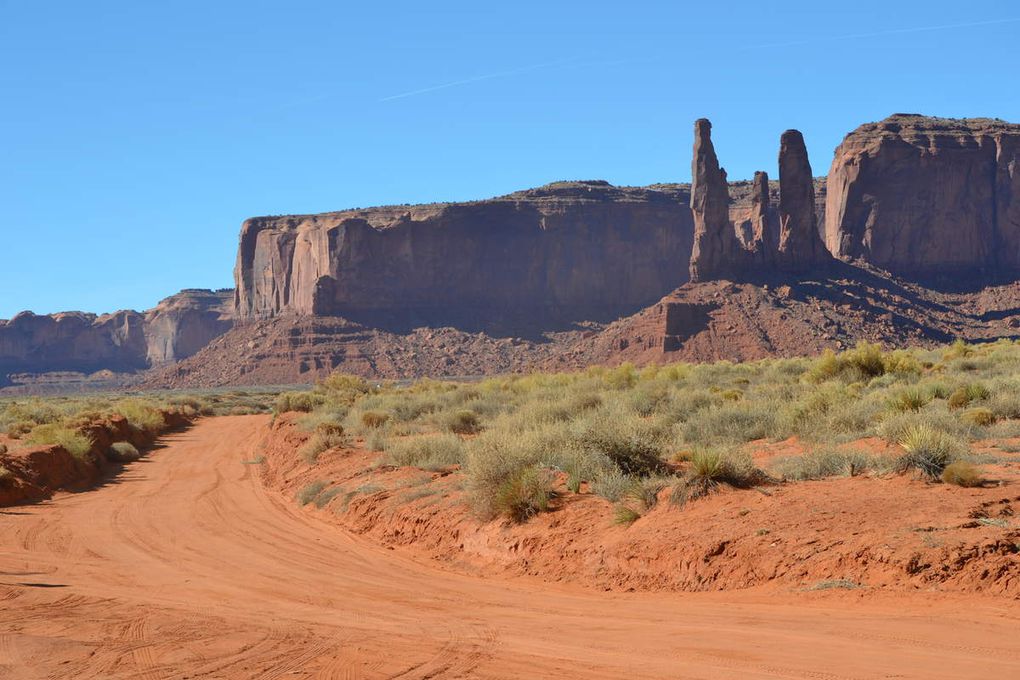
(571,273)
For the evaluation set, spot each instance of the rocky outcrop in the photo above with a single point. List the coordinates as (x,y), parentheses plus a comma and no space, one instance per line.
(722,251)
(717,252)
(124,341)
(570,250)
(928,197)
(184,323)
(800,247)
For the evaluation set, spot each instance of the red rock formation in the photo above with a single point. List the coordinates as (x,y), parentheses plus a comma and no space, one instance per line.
(124,341)
(571,250)
(717,252)
(928,196)
(800,247)
(762,244)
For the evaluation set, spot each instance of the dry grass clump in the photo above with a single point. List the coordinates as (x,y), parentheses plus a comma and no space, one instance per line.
(74,442)
(461,421)
(980,417)
(823,463)
(429,452)
(374,419)
(962,473)
(967,394)
(142,414)
(310,491)
(123,452)
(863,362)
(710,469)
(323,440)
(930,450)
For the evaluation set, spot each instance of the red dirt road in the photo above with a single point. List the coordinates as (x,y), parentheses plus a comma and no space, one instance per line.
(186,567)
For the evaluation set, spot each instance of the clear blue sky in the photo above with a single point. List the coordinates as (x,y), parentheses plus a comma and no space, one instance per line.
(136,136)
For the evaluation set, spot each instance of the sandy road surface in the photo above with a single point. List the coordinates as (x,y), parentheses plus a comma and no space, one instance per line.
(186,567)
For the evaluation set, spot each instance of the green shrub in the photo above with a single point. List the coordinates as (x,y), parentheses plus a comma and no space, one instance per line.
(962,473)
(303,402)
(430,452)
(123,452)
(74,442)
(523,494)
(142,414)
(910,399)
(929,450)
(624,514)
(711,468)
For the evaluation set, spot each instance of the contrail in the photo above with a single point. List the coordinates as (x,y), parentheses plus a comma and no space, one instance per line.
(475,79)
(878,34)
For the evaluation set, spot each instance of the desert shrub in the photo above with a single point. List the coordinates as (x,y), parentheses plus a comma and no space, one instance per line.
(711,468)
(929,450)
(373,420)
(3,449)
(461,421)
(612,485)
(631,444)
(503,464)
(1005,404)
(429,452)
(377,440)
(646,490)
(523,494)
(322,499)
(308,492)
(980,417)
(895,428)
(123,452)
(957,350)
(862,362)
(962,473)
(321,442)
(624,514)
(822,463)
(304,402)
(346,387)
(967,394)
(142,414)
(74,442)
(910,399)
(732,423)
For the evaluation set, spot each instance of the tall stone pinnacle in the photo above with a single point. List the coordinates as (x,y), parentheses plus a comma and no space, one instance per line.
(717,253)
(800,246)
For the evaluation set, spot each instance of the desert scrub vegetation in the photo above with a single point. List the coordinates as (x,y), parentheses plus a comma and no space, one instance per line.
(74,442)
(519,440)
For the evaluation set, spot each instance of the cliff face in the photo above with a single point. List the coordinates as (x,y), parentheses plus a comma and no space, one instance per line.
(123,341)
(924,196)
(575,248)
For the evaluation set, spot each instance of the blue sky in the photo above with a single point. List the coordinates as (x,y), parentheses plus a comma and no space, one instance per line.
(135,137)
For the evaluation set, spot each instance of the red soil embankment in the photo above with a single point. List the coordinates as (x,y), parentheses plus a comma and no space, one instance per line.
(36,472)
(890,532)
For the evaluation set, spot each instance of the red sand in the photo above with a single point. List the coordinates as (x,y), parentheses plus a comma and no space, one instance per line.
(188,566)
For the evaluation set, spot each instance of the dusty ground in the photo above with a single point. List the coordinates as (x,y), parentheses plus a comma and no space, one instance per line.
(186,566)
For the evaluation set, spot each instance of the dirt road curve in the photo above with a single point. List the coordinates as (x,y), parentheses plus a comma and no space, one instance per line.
(186,567)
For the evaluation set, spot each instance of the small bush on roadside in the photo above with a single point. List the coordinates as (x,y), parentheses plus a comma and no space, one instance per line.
(612,485)
(321,442)
(308,492)
(142,414)
(624,514)
(523,494)
(74,442)
(711,468)
(123,452)
(303,402)
(962,473)
(430,452)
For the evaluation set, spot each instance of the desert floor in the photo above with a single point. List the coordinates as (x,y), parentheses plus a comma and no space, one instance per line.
(185,566)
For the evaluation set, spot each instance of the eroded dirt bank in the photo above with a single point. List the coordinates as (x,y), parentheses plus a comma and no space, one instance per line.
(189,567)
